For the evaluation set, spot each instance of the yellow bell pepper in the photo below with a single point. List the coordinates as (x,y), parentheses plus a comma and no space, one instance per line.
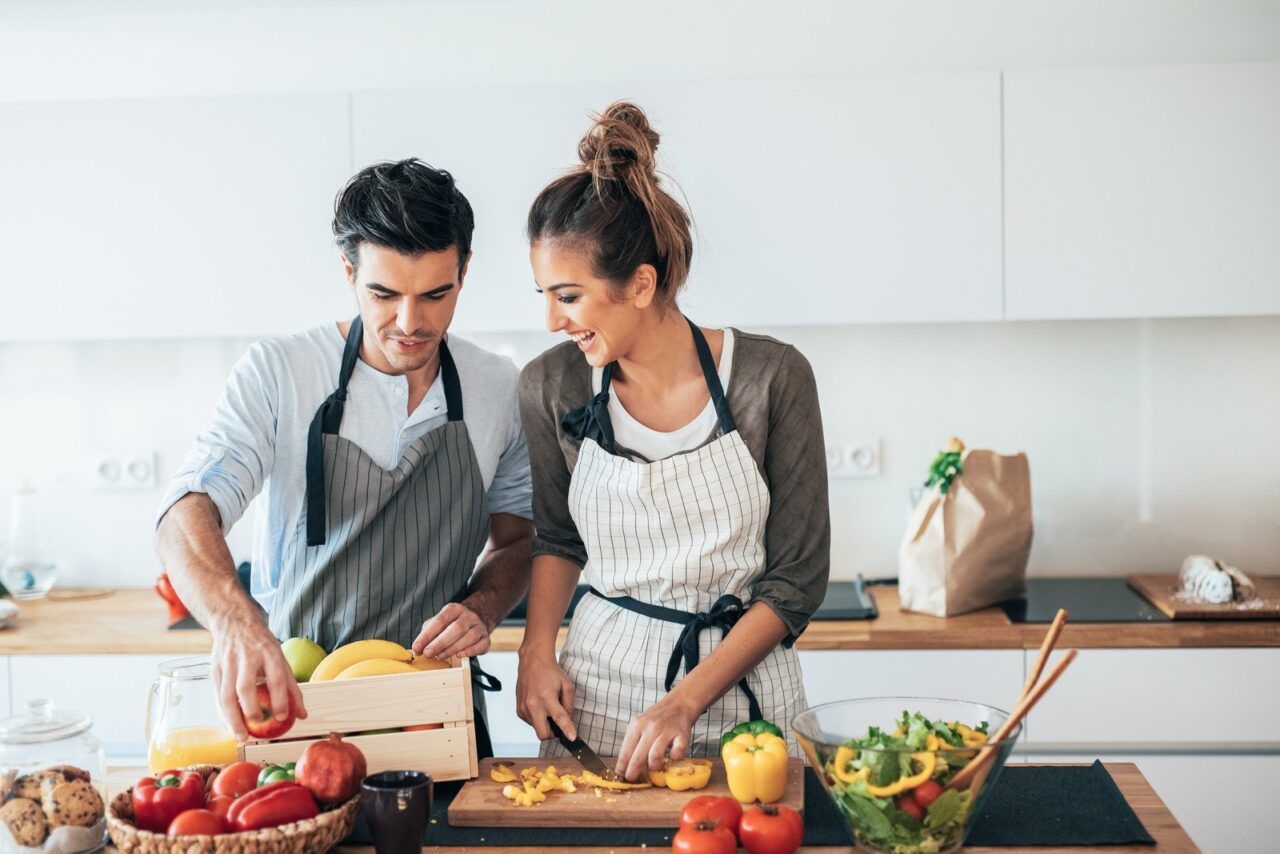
(756,766)
(501,774)
(928,762)
(683,775)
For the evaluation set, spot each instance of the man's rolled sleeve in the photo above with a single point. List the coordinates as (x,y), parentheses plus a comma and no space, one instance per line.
(232,457)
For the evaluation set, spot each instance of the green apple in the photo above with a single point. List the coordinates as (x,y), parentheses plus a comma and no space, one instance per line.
(303,655)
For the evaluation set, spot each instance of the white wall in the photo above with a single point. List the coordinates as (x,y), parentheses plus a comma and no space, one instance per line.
(74,49)
(1148,440)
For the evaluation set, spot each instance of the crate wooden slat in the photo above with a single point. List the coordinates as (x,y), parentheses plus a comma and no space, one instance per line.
(445,754)
(353,706)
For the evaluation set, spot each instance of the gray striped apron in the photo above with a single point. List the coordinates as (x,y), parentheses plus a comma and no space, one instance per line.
(379,552)
(673,549)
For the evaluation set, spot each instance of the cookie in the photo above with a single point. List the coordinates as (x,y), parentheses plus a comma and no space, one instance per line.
(25,821)
(7,776)
(71,772)
(75,804)
(29,785)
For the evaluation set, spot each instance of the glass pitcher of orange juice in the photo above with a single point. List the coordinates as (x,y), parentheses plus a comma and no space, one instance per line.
(183,726)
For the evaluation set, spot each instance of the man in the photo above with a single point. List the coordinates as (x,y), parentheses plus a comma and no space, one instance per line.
(378,497)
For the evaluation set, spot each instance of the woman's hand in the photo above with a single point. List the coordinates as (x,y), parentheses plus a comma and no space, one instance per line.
(544,691)
(665,726)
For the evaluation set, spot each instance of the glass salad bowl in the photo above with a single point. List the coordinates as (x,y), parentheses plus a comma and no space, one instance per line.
(888,764)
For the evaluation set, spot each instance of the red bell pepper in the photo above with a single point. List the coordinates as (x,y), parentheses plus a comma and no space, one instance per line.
(158,800)
(275,804)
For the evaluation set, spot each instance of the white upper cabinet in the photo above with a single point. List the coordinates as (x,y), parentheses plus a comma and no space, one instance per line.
(1143,192)
(168,218)
(872,198)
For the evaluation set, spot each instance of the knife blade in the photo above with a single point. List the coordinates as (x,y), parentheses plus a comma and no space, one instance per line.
(582,752)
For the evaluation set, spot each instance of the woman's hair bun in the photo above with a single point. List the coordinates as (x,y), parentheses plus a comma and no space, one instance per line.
(619,142)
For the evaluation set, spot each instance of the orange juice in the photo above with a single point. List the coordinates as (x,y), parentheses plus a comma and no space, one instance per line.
(192,745)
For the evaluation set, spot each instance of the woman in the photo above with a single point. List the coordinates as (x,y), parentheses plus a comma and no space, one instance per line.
(700,516)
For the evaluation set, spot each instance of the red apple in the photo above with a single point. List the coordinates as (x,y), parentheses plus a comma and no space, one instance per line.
(265,725)
(332,769)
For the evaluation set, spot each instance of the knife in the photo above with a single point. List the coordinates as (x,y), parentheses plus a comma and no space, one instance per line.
(582,752)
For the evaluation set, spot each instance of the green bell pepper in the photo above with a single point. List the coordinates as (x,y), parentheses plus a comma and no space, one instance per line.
(751,728)
(276,773)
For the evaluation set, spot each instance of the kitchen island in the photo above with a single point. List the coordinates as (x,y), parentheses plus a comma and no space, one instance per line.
(1150,809)
(1187,701)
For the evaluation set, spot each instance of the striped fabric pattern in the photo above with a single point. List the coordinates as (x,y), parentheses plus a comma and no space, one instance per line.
(680,533)
(401,542)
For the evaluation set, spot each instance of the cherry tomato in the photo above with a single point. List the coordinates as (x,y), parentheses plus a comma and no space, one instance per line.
(219,805)
(264,724)
(236,779)
(197,823)
(771,829)
(704,838)
(911,807)
(926,793)
(723,811)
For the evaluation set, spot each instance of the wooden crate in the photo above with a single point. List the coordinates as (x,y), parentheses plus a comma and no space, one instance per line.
(382,702)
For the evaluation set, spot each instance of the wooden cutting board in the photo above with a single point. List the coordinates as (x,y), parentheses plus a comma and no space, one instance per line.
(1159,590)
(480,802)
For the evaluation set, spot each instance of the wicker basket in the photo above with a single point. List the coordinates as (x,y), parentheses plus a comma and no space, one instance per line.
(317,834)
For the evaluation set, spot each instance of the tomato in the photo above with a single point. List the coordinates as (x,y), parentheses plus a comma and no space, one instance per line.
(219,805)
(197,823)
(723,811)
(911,807)
(704,838)
(265,725)
(771,829)
(236,779)
(926,793)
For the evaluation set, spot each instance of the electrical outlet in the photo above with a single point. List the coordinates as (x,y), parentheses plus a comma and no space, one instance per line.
(853,458)
(131,470)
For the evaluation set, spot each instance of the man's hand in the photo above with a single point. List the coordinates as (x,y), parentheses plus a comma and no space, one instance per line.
(455,631)
(244,651)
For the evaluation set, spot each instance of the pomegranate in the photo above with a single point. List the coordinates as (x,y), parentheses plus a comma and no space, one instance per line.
(332,769)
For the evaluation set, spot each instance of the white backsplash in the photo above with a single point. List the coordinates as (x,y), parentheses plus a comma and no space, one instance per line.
(1148,440)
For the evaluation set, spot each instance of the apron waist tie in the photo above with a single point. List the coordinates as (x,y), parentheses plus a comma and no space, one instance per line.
(724,614)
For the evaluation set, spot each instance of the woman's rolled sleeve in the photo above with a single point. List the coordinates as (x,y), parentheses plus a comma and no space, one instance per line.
(798,530)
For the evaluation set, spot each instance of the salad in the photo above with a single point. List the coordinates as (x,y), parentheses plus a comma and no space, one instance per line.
(891,785)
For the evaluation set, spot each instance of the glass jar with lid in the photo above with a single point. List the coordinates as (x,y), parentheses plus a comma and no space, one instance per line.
(53,771)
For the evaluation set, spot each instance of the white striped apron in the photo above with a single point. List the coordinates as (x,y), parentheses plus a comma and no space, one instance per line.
(680,537)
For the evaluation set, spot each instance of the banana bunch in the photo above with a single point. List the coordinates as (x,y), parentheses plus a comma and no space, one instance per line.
(371,658)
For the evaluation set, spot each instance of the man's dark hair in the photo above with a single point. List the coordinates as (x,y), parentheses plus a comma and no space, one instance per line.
(405,205)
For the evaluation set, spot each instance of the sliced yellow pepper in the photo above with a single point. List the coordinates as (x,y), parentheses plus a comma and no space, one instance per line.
(756,766)
(592,779)
(683,775)
(840,765)
(928,762)
(501,774)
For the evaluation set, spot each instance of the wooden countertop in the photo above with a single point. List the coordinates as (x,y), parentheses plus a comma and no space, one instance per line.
(1151,811)
(133,621)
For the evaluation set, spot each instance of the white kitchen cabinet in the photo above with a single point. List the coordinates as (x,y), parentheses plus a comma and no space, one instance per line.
(873,198)
(112,689)
(510,735)
(1142,192)
(1195,698)
(1225,803)
(989,676)
(171,217)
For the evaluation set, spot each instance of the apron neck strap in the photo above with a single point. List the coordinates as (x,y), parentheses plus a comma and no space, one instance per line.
(712,376)
(452,385)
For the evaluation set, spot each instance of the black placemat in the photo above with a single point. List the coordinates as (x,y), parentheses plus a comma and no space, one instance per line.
(1029,805)
(1057,805)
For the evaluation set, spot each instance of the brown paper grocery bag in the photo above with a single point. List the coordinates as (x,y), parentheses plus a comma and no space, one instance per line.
(968,548)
